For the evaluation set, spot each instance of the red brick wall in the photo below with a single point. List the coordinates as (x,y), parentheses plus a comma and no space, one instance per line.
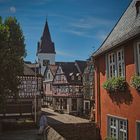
(125,105)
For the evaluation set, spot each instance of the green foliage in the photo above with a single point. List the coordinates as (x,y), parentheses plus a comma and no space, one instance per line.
(115,84)
(12,51)
(135,82)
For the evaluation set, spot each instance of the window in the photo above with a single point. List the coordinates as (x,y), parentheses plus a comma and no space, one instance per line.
(138,57)
(116,63)
(74,104)
(117,128)
(138,130)
(72,77)
(49,76)
(120,62)
(112,66)
(46,62)
(65,103)
(79,78)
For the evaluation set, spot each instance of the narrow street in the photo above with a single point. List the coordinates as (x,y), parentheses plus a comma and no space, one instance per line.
(54,117)
(63,123)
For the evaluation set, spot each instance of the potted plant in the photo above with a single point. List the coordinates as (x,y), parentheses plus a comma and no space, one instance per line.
(115,84)
(135,82)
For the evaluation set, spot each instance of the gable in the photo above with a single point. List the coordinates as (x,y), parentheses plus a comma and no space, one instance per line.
(59,70)
(48,75)
(127,27)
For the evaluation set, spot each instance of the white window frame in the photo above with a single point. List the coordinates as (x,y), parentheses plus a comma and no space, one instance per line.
(111,64)
(120,62)
(114,123)
(115,63)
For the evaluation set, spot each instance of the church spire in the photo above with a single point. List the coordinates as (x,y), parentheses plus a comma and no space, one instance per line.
(46,45)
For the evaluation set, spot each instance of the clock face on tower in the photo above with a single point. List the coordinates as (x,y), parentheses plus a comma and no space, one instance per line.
(46,62)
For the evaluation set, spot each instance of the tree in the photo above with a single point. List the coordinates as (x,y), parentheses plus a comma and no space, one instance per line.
(12,52)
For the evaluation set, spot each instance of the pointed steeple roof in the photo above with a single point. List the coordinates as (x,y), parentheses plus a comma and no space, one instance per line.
(46,45)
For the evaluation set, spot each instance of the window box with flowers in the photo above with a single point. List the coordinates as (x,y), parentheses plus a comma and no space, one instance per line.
(135,82)
(115,84)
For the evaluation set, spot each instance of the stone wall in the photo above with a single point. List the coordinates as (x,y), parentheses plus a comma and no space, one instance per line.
(53,135)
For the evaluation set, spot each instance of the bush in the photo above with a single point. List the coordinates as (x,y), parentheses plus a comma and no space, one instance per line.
(115,84)
(135,82)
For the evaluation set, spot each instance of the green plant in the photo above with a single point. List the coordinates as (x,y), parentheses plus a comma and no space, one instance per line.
(115,84)
(135,82)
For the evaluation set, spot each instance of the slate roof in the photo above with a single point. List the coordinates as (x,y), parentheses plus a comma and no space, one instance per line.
(28,71)
(81,65)
(33,66)
(68,68)
(46,45)
(126,28)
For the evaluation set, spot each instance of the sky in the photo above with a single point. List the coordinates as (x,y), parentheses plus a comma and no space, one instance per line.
(77,27)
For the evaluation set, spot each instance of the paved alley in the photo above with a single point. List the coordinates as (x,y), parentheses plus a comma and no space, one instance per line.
(54,117)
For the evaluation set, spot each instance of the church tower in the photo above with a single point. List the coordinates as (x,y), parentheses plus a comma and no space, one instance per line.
(46,50)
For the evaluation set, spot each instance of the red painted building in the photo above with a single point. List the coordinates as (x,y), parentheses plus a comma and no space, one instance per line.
(118,112)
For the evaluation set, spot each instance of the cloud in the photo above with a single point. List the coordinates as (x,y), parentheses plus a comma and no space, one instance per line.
(91,22)
(79,33)
(12,9)
(64,54)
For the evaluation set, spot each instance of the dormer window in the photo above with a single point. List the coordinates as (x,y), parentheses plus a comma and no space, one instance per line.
(138,7)
(79,78)
(72,77)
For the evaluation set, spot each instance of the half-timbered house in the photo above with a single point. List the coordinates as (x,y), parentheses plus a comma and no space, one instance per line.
(30,89)
(67,87)
(88,88)
(47,85)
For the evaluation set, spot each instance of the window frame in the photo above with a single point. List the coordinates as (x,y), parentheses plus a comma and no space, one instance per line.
(113,61)
(118,126)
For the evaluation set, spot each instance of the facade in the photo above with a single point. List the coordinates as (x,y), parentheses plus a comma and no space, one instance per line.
(47,85)
(46,50)
(117,111)
(88,88)
(30,85)
(67,87)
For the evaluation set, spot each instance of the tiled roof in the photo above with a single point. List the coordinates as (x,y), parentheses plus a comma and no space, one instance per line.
(46,45)
(126,28)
